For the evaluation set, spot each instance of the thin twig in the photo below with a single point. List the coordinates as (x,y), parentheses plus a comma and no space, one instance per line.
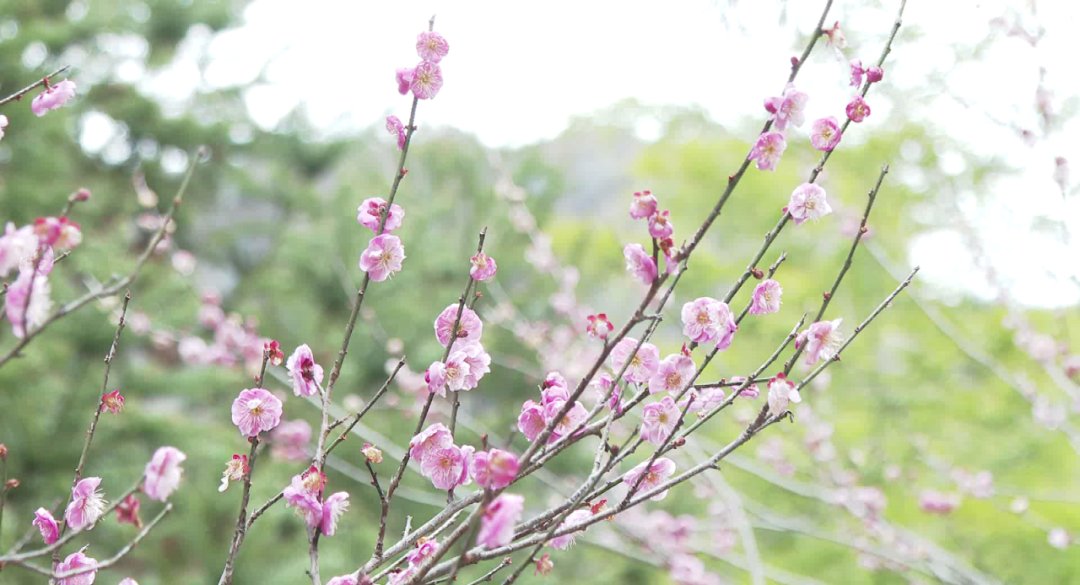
(240,531)
(19,94)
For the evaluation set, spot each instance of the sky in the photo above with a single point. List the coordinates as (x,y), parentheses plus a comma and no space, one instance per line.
(518,72)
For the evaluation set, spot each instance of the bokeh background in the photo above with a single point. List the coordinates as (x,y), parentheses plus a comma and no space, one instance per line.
(551,116)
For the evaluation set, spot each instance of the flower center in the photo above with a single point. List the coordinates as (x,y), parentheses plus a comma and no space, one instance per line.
(703,317)
(673,380)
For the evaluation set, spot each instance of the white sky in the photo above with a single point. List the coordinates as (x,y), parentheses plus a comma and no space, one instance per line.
(517,72)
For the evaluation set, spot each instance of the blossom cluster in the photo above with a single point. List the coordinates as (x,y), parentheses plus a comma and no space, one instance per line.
(554,395)
(305,494)
(233,340)
(458,328)
(32,251)
(448,465)
(87,505)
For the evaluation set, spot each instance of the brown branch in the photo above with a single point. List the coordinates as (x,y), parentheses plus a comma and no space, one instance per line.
(859,233)
(19,94)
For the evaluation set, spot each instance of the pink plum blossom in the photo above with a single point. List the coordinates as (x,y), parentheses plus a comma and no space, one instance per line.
(45,522)
(439,374)
(401,576)
(404,79)
(256,410)
(599,326)
(569,422)
(397,129)
(554,389)
(825,134)
(77,561)
(427,80)
(333,507)
(497,523)
(434,437)
(643,205)
(304,500)
(444,467)
(766,297)
(290,439)
(782,392)
(788,108)
(660,225)
(574,518)
(112,402)
(351,579)
(857,109)
(874,74)
(657,474)
(469,326)
(58,232)
(127,511)
(477,359)
(306,375)
(54,96)
(424,549)
(431,46)
(87,504)
(16,245)
(835,35)
(603,384)
(555,380)
(857,72)
(704,399)
(808,202)
(706,319)
(642,364)
(369,214)
(934,502)
(675,372)
(821,340)
(751,391)
(494,469)
(483,267)
(658,420)
(639,263)
(435,377)
(555,393)
(531,420)
(27,315)
(163,473)
(382,258)
(767,150)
